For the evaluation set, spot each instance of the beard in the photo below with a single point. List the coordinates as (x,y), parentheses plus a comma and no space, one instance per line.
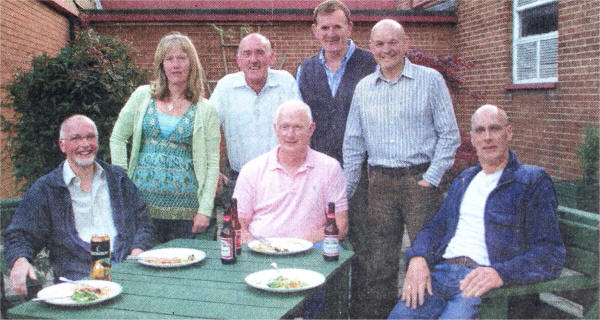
(85,163)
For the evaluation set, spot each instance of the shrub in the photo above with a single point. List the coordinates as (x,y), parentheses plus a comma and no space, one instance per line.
(93,76)
(450,66)
(587,152)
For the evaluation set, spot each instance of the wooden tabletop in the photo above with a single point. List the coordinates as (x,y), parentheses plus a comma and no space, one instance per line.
(207,289)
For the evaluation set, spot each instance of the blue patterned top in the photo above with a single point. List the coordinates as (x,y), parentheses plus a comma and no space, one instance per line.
(165,172)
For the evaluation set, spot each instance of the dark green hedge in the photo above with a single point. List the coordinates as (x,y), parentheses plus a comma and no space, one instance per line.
(93,75)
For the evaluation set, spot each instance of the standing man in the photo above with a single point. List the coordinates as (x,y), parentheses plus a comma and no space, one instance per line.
(498,226)
(246,102)
(327,81)
(63,209)
(402,117)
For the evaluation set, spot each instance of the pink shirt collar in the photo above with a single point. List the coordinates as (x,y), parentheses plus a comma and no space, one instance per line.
(273,162)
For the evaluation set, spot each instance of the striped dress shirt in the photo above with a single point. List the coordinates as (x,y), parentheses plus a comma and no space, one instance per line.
(401,123)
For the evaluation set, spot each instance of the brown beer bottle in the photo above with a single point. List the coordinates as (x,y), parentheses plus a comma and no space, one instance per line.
(237,227)
(331,241)
(227,241)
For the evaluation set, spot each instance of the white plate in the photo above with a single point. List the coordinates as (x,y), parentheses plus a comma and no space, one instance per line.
(152,257)
(261,279)
(285,246)
(60,294)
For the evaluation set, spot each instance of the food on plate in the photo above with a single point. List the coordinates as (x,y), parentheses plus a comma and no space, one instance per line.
(282,282)
(282,245)
(269,247)
(169,261)
(85,293)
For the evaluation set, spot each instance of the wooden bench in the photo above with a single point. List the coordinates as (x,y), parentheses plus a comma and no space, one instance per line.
(579,230)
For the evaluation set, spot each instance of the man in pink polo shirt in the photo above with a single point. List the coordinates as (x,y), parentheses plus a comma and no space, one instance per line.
(284,192)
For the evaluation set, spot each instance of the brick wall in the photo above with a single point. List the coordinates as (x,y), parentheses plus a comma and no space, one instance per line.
(547,123)
(28,28)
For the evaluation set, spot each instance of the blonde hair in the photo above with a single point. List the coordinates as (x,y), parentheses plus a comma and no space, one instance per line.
(195,85)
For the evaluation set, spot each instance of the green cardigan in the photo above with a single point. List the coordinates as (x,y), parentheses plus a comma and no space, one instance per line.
(206,139)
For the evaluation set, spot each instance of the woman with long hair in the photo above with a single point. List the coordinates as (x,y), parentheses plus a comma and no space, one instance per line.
(175,137)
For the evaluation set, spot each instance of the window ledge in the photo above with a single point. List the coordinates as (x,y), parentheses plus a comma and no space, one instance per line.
(545,85)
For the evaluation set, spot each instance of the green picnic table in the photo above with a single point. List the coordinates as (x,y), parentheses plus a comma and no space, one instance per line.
(208,289)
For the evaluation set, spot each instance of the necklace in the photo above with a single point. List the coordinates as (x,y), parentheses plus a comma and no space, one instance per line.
(170,107)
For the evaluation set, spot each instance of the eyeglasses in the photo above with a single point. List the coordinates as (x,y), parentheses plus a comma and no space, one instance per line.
(381,44)
(77,138)
(294,128)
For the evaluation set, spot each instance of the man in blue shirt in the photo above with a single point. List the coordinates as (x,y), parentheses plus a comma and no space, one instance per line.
(246,102)
(497,226)
(402,118)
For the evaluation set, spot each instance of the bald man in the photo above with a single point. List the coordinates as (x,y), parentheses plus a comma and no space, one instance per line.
(401,116)
(497,226)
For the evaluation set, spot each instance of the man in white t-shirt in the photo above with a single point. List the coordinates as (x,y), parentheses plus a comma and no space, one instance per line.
(497,226)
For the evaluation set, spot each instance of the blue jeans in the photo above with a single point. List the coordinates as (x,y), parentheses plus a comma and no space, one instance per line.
(446,302)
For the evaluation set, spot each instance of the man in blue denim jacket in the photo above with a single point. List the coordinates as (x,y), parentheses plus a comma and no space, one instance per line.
(497,226)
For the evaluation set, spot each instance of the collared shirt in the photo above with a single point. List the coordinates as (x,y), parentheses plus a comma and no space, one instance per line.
(92,210)
(281,204)
(401,123)
(333,78)
(246,117)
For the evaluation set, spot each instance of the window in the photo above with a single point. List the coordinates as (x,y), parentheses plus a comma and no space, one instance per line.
(535,41)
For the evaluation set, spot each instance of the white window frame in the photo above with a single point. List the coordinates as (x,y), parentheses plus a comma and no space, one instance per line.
(537,39)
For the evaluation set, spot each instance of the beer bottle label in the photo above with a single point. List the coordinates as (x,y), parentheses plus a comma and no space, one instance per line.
(101,269)
(227,248)
(330,246)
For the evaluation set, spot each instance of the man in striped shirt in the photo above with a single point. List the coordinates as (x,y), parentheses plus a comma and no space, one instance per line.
(402,117)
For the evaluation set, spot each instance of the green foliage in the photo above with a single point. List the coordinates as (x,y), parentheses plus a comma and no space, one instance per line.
(93,76)
(587,152)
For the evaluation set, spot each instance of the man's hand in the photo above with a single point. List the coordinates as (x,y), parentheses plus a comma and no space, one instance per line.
(200,222)
(222,180)
(135,251)
(20,270)
(417,280)
(424,183)
(480,281)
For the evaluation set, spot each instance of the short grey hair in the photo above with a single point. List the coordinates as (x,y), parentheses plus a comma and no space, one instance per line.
(293,104)
(61,135)
(262,39)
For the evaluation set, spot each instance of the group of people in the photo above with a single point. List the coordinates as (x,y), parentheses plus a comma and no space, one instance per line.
(365,129)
